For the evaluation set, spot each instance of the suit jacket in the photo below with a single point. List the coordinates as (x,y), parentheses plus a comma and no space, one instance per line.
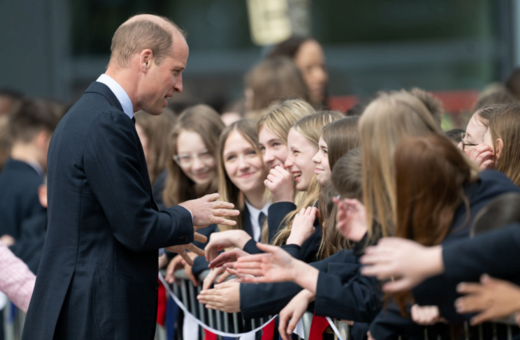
(98,272)
(19,201)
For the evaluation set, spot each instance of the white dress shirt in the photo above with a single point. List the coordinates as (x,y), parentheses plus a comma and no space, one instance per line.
(120,94)
(254,213)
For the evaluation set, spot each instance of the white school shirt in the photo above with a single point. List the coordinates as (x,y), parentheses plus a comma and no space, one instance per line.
(254,213)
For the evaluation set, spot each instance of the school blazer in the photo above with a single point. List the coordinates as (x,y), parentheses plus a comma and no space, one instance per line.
(97,277)
(19,201)
(263,299)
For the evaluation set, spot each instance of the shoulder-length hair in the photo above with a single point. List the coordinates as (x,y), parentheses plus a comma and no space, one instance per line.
(385,121)
(505,125)
(430,177)
(156,129)
(310,127)
(206,122)
(273,80)
(227,190)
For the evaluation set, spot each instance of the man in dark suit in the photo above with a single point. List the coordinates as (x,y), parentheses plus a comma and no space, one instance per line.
(97,277)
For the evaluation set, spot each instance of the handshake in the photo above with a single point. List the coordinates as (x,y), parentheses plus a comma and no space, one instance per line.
(205,211)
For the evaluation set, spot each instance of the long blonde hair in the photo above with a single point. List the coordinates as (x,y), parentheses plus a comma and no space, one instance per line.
(206,123)
(310,127)
(227,190)
(385,121)
(281,117)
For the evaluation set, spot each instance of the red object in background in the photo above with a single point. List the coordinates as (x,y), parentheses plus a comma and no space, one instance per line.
(209,336)
(453,101)
(318,326)
(161,304)
(268,330)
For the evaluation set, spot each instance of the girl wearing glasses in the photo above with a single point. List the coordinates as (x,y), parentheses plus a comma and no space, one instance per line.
(192,165)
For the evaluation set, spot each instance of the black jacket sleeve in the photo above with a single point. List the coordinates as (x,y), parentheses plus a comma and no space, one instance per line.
(141,228)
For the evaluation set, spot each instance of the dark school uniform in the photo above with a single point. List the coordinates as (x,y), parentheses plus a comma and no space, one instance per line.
(19,183)
(30,244)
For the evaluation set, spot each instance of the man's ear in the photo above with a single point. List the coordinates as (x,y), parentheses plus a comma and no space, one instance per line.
(145,60)
(499,147)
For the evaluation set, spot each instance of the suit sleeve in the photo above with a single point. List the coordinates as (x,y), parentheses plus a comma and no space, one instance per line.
(112,168)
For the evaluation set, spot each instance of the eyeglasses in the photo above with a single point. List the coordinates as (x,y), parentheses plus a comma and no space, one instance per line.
(186,159)
(464,136)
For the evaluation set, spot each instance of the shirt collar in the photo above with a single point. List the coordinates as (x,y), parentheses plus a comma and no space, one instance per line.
(37,167)
(120,94)
(254,212)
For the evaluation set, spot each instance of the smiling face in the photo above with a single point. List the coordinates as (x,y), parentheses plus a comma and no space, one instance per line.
(160,82)
(201,169)
(474,133)
(243,165)
(273,148)
(321,163)
(299,161)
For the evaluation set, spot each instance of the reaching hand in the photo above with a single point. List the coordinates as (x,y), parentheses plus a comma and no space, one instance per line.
(228,256)
(275,266)
(207,210)
(281,184)
(212,275)
(406,261)
(293,312)
(7,240)
(483,155)
(493,298)
(224,297)
(426,315)
(303,226)
(351,219)
(225,239)
(181,248)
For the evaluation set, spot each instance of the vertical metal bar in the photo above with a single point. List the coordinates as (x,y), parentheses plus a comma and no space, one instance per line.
(226,322)
(509,333)
(193,305)
(480,335)
(261,321)
(425,333)
(210,317)
(175,289)
(235,323)
(219,324)
(201,307)
(466,330)
(495,335)
(253,324)
(347,332)
(184,293)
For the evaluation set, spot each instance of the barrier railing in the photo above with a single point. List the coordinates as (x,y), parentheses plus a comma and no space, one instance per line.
(184,285)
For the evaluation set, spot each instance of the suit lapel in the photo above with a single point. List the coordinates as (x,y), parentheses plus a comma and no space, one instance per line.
(102,89)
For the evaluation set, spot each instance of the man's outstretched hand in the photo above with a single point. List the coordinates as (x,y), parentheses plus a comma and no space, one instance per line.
(207,210)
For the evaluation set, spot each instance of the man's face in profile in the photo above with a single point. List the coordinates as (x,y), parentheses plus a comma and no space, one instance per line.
(163,80)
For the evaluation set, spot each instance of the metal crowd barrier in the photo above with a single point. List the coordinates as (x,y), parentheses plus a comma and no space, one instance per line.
(13,319)
(187,293)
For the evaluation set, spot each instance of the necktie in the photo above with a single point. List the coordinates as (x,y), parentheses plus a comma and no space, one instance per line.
(261,219)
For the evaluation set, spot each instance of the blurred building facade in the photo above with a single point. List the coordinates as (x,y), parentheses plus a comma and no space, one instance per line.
(55,48)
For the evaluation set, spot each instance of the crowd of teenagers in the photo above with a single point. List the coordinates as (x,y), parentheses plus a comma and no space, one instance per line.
(376,216)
